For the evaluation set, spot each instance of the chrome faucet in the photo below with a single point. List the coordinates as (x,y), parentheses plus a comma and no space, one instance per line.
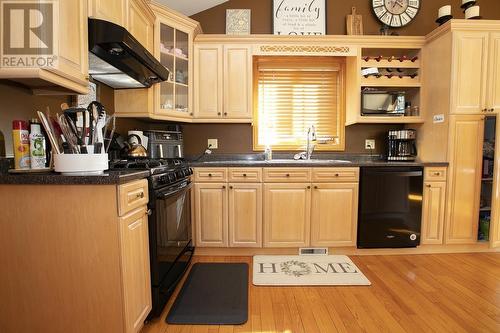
(311,137)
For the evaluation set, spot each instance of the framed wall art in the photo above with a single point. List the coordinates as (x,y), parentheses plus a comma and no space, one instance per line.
(238,21)
(299,17)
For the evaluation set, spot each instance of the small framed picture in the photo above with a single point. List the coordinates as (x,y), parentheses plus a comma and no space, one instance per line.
(238,21)
(299,17)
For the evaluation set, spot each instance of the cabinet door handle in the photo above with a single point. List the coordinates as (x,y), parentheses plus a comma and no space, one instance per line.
(336,175)
(437,173)
(492,110)
(149,212)
(308,187)
(225,113)
(485,110)
(230,187)
(288,175)
(427,185)
(209,175)
(223,187)
(244,175)
(316,187)
(218,113)
(140,195)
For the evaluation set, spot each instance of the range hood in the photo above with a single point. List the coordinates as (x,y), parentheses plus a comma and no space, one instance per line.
(118,60)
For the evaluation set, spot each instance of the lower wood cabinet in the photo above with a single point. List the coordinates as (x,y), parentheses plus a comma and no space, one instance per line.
(245,215)
(287,211)
(433,205)
(464,180)
(134,245)
(210,211)
(334,214)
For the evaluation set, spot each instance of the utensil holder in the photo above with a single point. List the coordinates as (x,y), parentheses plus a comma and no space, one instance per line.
(80,164)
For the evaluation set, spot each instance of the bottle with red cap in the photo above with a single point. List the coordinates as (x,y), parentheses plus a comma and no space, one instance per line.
(21,142)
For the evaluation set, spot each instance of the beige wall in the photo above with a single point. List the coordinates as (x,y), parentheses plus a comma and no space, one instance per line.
(19,103)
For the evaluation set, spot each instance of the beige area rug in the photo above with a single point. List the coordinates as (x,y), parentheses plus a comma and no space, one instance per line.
(335,270)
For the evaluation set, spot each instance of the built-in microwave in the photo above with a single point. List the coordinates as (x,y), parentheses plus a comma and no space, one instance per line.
(376,102)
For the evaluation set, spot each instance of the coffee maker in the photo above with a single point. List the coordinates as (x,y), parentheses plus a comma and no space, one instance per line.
(402,145)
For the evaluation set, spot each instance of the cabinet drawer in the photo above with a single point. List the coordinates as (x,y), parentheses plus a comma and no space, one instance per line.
(335,174)
(279,175)
(132,195)
(435,174)
(244,175)
(210,175)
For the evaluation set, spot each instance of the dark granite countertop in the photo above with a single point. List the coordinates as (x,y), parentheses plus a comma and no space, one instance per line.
(54,178)
(286,160)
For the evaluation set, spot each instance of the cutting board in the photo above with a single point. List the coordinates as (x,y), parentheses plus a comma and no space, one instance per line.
(354,23)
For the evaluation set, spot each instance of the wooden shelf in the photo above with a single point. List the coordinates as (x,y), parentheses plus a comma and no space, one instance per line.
(388,120)
(174,55)
(390,64)
(390,82)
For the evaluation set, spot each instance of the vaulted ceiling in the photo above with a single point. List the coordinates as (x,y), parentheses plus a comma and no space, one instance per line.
(190,7)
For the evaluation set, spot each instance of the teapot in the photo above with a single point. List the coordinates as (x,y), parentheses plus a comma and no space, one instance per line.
(135,150)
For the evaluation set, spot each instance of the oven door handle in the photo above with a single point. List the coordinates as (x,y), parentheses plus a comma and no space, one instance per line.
(166,194)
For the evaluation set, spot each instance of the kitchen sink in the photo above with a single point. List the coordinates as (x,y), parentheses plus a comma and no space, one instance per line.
(307,161)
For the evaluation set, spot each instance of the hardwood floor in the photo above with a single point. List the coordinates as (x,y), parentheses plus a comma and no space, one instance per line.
(409,293)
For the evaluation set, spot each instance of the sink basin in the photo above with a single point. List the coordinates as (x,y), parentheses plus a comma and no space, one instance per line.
(307,161)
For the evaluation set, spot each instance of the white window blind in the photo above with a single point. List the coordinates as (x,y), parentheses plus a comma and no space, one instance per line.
(294,93)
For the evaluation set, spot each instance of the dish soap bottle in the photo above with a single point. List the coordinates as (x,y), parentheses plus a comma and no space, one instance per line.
(268,153)
(37,147)
(21,143)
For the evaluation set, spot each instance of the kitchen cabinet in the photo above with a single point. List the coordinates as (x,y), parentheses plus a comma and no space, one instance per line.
(69,75)
(86,263)
(134,244)
(169,37)
(110,10)
(476,72)
(211,215)
(464,183)
(223,83)
(287,214)
(334,214)
(433,206)
(245,215)
(493,93)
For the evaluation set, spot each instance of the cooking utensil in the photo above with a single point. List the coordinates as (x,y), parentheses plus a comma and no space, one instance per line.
(113,119)
(49,131)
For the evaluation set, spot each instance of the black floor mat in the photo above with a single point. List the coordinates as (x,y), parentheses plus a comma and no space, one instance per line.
(213,294)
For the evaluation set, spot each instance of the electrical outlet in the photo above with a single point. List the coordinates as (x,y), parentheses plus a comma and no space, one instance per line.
(370,144)
(212,143)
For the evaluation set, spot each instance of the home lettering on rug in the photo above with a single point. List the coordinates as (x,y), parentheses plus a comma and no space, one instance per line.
(272,266)
(338,267)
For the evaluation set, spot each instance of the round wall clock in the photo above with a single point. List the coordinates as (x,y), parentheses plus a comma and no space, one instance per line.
(395,13)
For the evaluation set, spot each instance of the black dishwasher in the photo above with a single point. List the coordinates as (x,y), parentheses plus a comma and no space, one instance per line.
(390,207)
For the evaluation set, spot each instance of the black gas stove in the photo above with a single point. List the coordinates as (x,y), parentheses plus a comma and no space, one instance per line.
(169,223)
(163,172)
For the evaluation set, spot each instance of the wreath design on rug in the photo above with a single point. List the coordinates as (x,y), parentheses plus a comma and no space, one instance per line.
(295,268)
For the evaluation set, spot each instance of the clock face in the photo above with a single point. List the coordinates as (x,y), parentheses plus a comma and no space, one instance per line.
(396,13)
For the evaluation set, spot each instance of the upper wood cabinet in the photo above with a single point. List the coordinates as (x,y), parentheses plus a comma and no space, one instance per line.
(223,83)
(287,214)
(493,93)
(69,75)
(169,37)
(109,10)
(464,183)
(334,214)
(475,72)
